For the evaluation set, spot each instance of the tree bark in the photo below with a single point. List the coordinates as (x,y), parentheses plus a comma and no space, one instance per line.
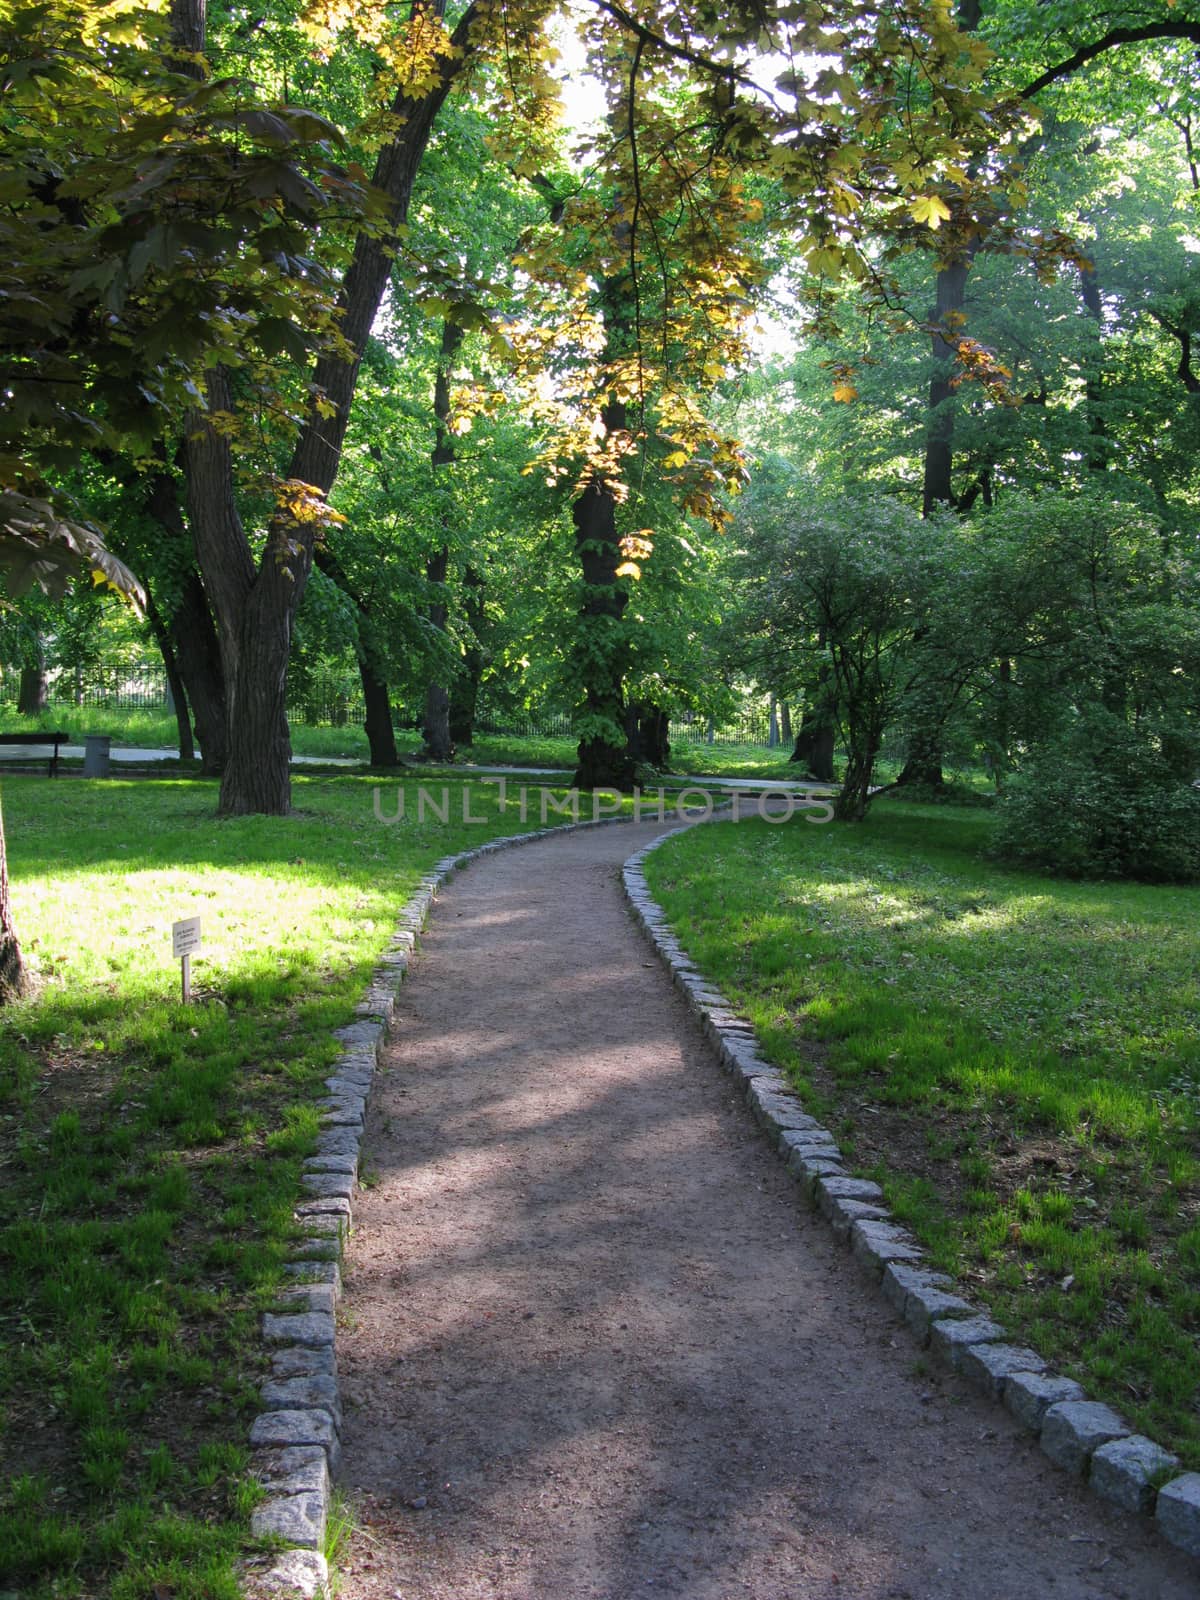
(814,742)
(647,727)
(435,727)
(191,633)
(864,739)
(257,778)
(34,692)
(256,606)
(198,653)
(923,762)
(377,723)
(256,714)
(176,692)
(851,803)
(814,747)
(12,967)
(601,652)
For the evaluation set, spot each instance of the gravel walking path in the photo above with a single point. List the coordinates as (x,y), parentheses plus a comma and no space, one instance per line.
(597,1349)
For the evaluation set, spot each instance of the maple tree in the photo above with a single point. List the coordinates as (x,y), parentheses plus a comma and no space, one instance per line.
(864,118)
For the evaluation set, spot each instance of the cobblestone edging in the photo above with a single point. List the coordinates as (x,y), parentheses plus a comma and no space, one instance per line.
(296,1439)
(1085,1438)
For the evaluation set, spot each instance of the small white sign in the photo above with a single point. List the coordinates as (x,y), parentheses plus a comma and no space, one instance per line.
(185,937)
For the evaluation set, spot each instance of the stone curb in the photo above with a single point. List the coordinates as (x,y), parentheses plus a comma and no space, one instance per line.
(296,1439)
(1083,1437)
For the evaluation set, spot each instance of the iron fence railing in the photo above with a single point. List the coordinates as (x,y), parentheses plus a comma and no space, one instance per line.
(137,688)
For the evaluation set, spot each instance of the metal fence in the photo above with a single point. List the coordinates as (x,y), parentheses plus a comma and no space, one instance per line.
(111,688)
(329,700)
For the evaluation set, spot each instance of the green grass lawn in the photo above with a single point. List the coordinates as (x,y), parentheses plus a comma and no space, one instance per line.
(150,1152)
(734,761)
(1016,1059)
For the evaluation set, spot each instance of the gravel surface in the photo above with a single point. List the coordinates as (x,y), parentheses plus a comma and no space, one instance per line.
(594,1346)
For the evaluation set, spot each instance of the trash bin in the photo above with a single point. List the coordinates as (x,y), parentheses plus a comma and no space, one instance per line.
(95,754)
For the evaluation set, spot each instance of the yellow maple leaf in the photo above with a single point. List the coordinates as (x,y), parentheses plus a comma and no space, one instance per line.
(929,208)
(844,392)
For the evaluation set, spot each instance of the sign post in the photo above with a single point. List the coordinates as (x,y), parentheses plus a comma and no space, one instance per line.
(185,943)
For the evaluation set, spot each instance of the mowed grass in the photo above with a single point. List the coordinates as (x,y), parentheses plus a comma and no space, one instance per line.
(1015,1058)
(150,1152)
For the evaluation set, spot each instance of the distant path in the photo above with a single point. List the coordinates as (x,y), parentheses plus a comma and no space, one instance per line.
(597,1350)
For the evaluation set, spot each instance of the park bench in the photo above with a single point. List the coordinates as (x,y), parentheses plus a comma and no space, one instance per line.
(43,739)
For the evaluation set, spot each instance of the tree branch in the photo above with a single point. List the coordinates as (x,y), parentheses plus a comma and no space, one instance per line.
(1181,29)
(681,52)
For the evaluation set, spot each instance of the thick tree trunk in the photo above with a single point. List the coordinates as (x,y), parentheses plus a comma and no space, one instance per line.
(198,652)
(256,607)
(814,748)
(464,697)
(34,693)
(381,734)
(12,968)
(601,653)
(785,722)
(923,764)
(815,740)
(435,725)
(647,728)
(254,615)
(191,633)
(603,758)
(257,777)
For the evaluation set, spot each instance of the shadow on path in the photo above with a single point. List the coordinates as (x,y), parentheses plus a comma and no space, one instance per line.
(596,1348)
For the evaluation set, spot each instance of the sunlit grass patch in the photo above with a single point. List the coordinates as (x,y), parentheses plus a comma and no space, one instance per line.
(1016,1058)
(150,1151)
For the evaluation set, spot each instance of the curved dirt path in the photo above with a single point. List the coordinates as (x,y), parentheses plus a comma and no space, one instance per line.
(595,1346)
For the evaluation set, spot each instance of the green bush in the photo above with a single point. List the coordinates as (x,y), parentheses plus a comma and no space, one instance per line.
(951,793)
(1115,809)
